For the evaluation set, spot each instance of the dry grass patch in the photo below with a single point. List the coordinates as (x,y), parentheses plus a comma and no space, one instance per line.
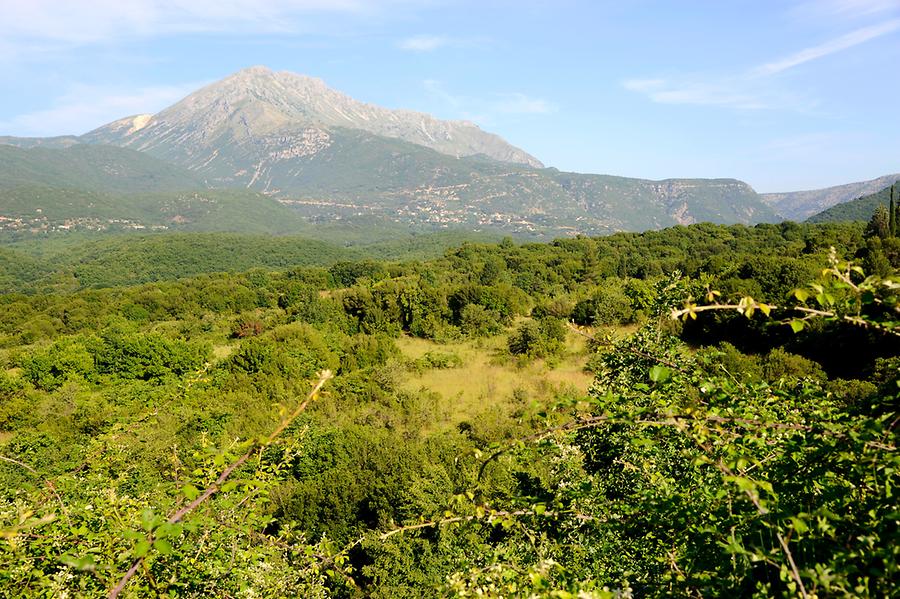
(490,380)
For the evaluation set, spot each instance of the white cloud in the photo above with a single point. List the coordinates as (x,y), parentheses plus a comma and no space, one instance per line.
(844,42)
(721,93)
(486,110)
(84,107)
(430,43)
(424,43)
(753,89)
(518,103)
(91,21)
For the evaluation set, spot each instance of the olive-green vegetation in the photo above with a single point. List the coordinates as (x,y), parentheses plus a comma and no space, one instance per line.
(860,209)
(77,260)
(703,410)
(127,260)
(91,168)
(30,211)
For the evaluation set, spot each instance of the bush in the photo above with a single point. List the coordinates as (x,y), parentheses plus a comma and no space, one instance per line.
(607,306)
(146,355)
(49,368)
(538,338)
(367,351)
(478,321)
(780,364)
(247,327)
(438,360)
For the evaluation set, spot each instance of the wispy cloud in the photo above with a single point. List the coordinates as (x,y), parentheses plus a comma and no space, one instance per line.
(430,43)
(720,93)
(518,103)
(487,110)
(751,89)
(85,107)
(69,22)
(843,9)
(424,43)
(844,42)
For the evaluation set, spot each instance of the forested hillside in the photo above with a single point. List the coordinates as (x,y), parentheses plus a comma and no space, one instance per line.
(803,205)
(91,168)
(330,157)
(860,209)
(698,411)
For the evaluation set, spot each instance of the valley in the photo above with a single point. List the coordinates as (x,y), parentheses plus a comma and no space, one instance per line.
(273,341)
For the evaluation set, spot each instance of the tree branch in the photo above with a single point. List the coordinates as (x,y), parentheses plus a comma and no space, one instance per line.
(324,376)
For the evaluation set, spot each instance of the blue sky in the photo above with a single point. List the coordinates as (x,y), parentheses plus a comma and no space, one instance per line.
(787,94)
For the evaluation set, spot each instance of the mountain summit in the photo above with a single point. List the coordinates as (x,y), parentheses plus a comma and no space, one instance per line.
(330,157)
(258,106)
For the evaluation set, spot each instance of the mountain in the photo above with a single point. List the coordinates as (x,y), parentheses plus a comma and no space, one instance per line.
(291,114)
(860,209)
(332,159)
(800,205)
(30,210)
(60,142)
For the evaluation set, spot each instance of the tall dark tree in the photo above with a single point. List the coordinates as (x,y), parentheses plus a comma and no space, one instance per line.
(880,223)
(892,216)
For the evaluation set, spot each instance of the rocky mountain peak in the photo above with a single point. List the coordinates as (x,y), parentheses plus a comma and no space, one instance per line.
(259,102)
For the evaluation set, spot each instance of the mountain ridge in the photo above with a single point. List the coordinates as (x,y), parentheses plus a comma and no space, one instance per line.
(859,209)
(804,204)
(331,159)
(259,101)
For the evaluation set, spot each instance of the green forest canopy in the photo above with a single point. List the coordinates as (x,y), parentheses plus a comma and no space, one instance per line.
(725,454)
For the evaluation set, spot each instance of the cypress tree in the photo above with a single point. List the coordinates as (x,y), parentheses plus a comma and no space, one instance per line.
(892,227)
(879,226)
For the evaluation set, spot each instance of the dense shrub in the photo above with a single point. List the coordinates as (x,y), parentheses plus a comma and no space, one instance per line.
(537,338)
(145,355)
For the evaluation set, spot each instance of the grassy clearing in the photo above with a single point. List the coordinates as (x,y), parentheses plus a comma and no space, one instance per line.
(490,380)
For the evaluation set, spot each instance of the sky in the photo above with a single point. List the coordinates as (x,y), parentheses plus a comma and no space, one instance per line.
(786,95)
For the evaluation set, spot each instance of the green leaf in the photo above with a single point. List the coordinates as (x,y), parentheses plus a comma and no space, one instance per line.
(163,546)
(85,563)
(799,524)
(141,548)
(190,492)
(797,325)
(660,374)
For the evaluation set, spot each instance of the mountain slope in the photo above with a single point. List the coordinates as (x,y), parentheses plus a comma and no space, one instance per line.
(258,102)
(40,209)
(860,209)
(333,159)
(60,142)
(115,260)
(91,168)
(800,205)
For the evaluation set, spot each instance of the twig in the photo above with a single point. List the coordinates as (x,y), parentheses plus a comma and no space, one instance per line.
(762,511)
(47,482)
(324,376)
(809,313)
(630,350)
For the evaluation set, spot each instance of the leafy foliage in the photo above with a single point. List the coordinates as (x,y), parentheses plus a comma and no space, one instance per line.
(162,439)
